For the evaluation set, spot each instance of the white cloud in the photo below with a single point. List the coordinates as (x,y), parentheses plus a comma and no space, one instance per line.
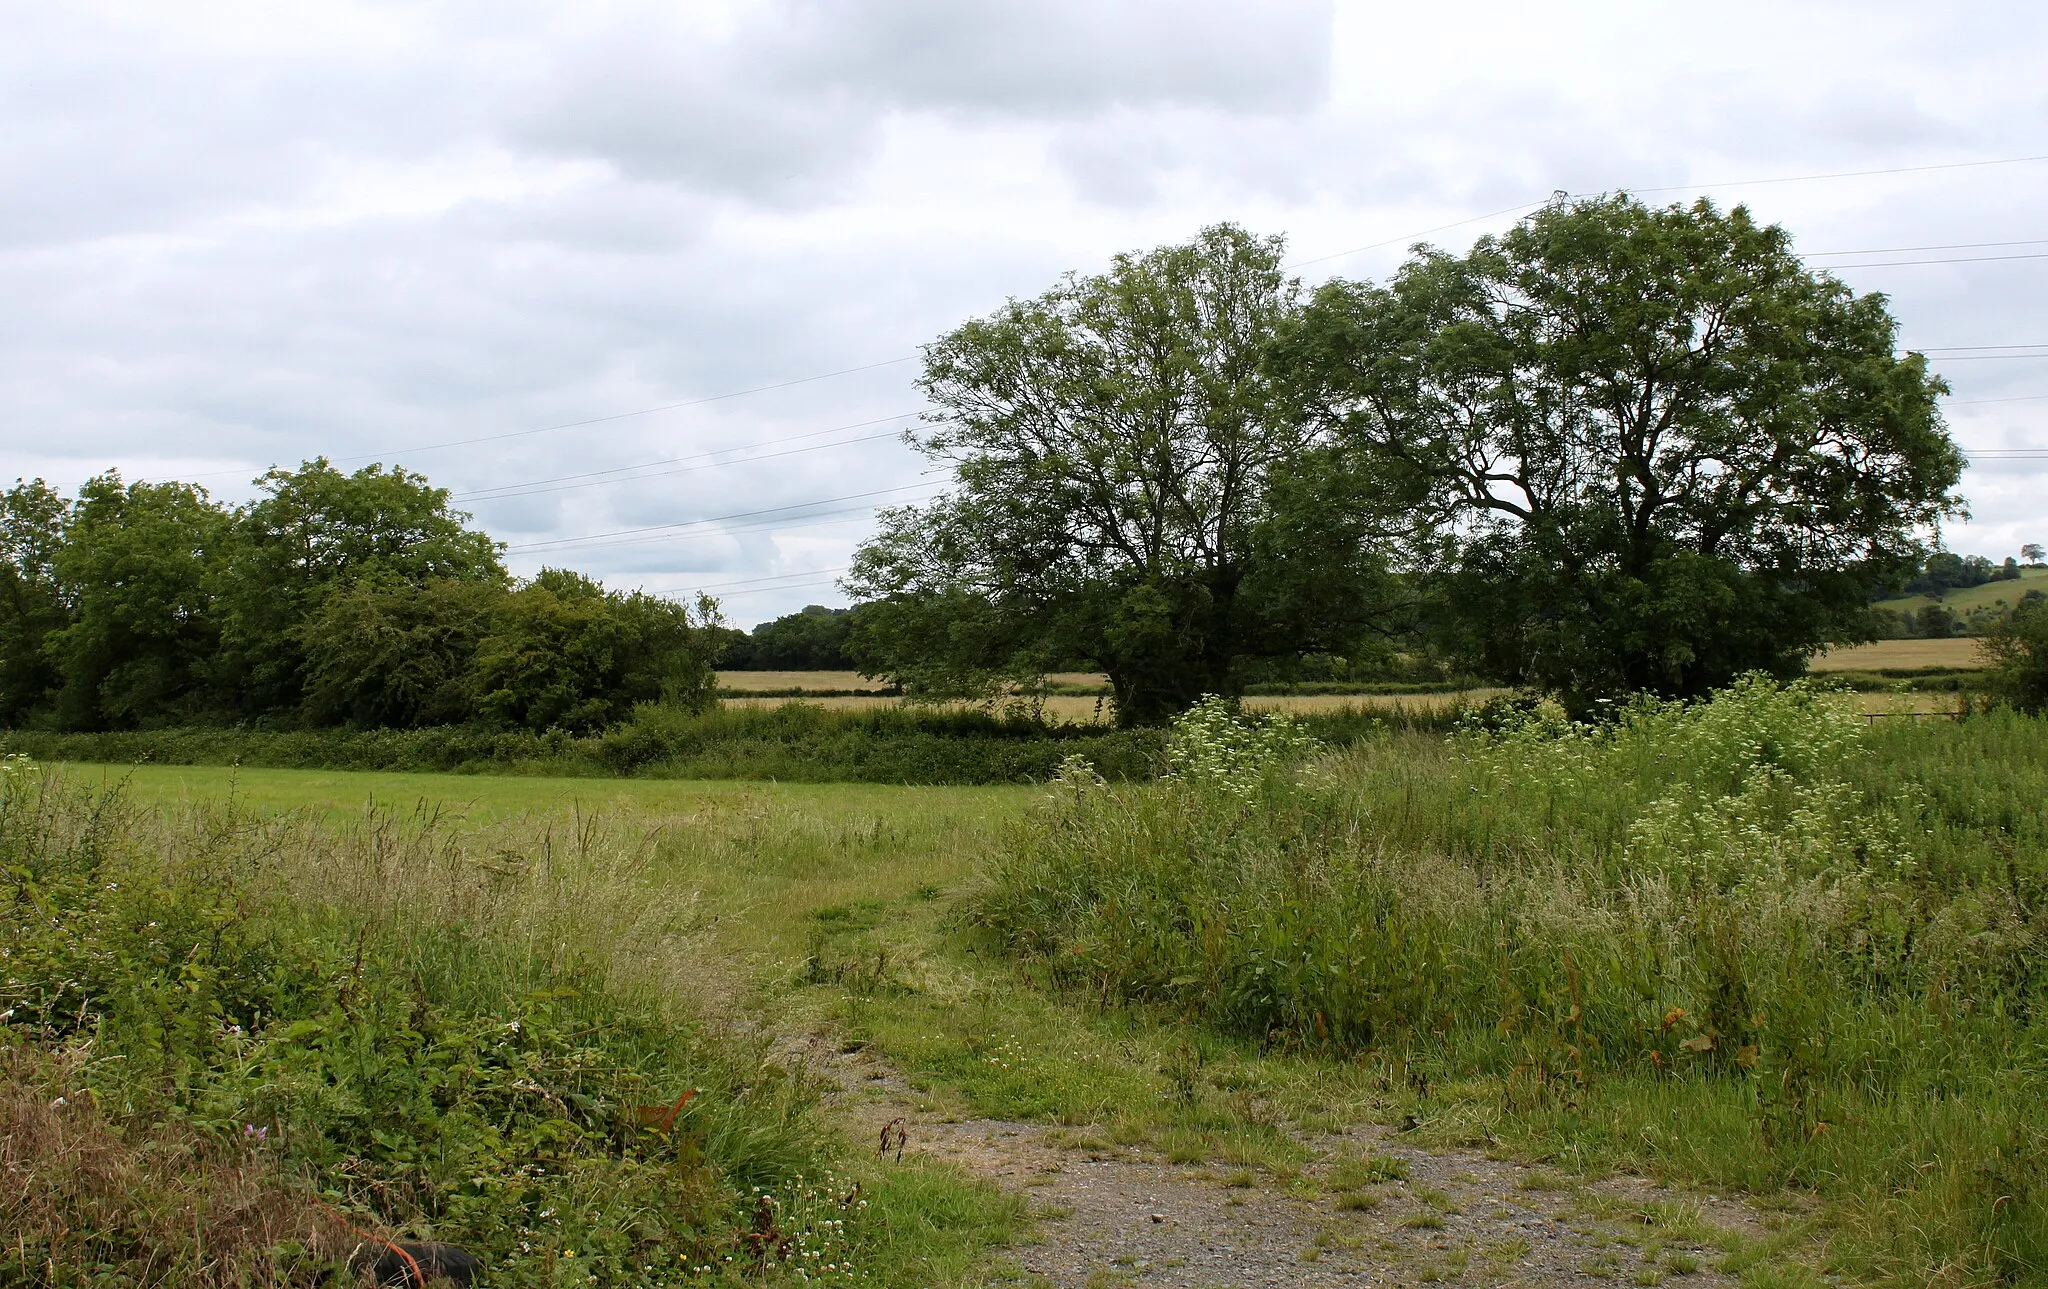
(238,234)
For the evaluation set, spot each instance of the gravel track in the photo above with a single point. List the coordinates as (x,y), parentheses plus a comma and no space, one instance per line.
(1107,1216)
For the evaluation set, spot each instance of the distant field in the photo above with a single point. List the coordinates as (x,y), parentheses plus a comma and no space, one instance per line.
(1083,710)
(780,680)
(828,681)
(1975,597)
(1957,652)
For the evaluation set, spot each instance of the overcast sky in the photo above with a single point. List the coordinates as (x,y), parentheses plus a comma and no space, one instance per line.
(525,248)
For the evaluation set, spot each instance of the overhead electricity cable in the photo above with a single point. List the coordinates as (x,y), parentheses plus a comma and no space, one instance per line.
(1846,174)
(644,411)
(388,454)
(593,478)
(774,524)
(1901,250)
(713,519)
(763,590)
(752,581)
(1692,187)
(1990,358)
(1955,259)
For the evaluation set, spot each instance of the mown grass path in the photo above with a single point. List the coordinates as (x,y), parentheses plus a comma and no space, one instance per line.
(1151,1153)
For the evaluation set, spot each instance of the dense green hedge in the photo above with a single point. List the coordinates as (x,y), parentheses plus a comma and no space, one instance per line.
(793,742)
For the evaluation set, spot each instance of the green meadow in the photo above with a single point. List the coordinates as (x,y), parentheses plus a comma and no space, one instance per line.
(1757,945)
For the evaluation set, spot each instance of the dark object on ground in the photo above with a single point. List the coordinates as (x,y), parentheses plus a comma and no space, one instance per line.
(414,1263)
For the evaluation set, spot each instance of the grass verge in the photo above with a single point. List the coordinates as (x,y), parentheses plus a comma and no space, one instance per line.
(237,1042)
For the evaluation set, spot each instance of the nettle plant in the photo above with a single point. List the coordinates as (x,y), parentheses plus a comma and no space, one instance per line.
(1753,784)
(1216,747)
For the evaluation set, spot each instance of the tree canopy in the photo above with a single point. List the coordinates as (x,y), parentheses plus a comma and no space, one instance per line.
(358,599)
(1127,491)
(1651,449)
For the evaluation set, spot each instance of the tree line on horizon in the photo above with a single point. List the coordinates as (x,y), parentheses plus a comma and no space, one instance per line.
(1617,449)
(358,599)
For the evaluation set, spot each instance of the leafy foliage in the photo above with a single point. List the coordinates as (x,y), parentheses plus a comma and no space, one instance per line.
(1654,450)
(1747,903)
(563,653)
(1126,491)
(812,639)
(142,631)
(2018,650)
(384,1034)
(315,532)
(358,599)
(32,608)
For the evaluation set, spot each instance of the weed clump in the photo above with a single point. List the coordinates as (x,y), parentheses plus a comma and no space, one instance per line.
(1751,939)
(232,1048)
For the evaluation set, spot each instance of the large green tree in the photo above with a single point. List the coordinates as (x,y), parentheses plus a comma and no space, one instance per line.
(144,629)
(1126,491)
(313,532)
(390,654)
(563,653)
(1655,450)
(32,603)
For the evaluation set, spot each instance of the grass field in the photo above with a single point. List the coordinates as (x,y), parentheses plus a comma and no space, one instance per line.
(1957,653)
(1975,597)
(866,912)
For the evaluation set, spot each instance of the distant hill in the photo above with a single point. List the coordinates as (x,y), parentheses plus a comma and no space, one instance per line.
(1968,599)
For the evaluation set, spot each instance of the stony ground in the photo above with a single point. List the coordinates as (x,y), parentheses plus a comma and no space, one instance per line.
(1365,1210)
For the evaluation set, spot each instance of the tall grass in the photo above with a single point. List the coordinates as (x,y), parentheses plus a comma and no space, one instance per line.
(231,1044)
(1749,940)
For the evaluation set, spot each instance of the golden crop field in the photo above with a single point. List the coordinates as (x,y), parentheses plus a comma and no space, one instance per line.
(1955,652)
(1086,710)
(815,680)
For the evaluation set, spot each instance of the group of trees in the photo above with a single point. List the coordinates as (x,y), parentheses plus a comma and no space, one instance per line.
(330,599)
(1947,571)
(812,639)
(1618,448)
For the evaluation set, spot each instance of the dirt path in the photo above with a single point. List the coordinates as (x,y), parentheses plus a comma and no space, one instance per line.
(1366,1209)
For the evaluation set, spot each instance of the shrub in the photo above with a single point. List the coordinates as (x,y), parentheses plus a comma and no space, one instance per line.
(1830,942)
(2018,651)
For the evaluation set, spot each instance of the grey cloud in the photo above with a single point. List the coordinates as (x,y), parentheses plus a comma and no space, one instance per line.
(1066,57)
(660,106)
(787,107)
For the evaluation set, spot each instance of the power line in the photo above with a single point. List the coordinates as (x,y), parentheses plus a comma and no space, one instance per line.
(1845,174)
(714,519)
(823,519)
(565,483)
(1695,187)
(1991,358)
(752,581)
(1901,250)
(890,362)
(644,411)
(800,586)
(1961,259)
